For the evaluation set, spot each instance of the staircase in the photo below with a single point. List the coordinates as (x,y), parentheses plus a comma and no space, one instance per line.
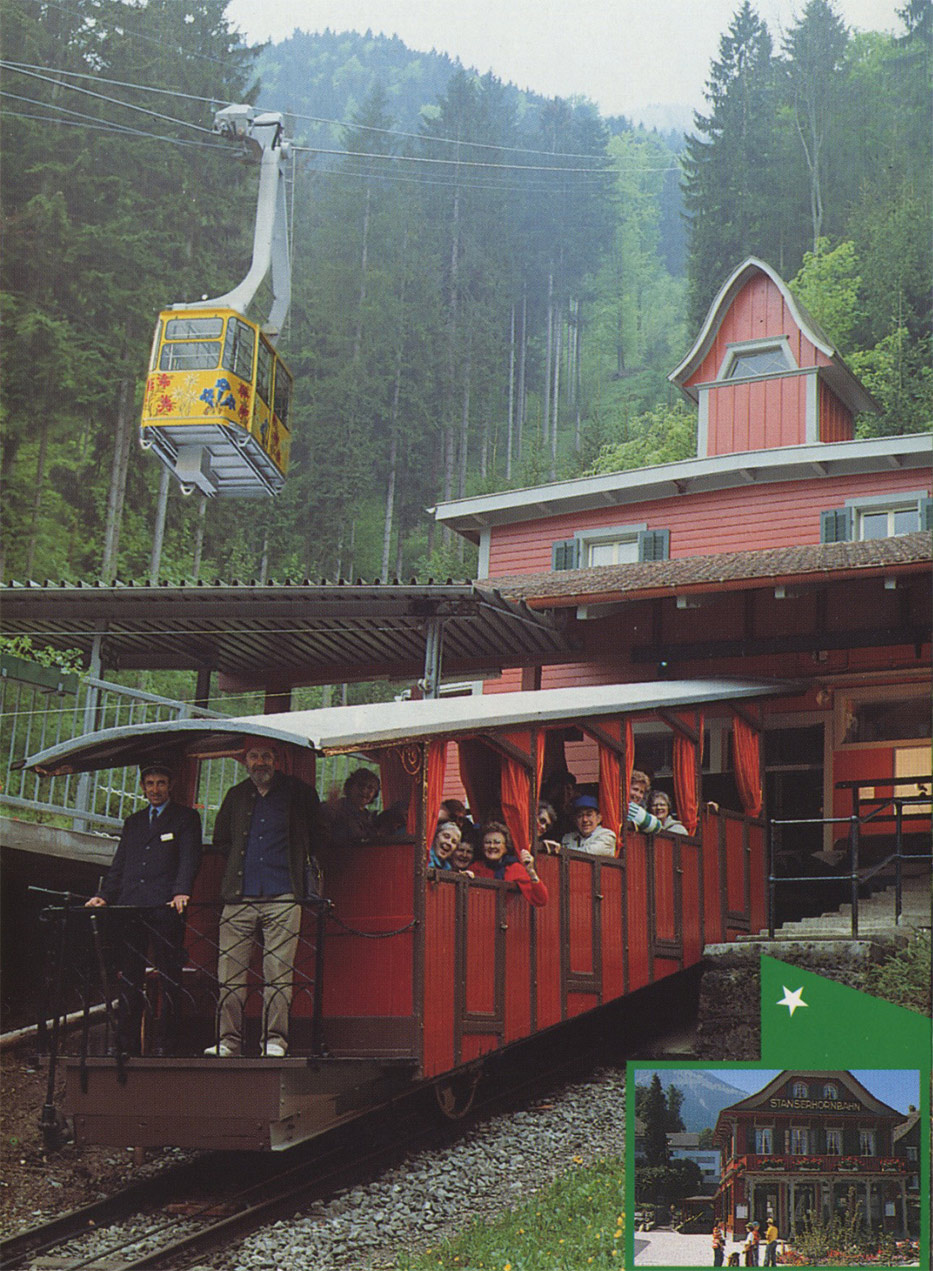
(875,915)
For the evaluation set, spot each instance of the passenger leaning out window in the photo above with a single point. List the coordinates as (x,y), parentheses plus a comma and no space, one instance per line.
(498,859)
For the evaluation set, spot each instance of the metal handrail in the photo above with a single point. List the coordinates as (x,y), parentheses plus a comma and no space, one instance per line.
(855,822)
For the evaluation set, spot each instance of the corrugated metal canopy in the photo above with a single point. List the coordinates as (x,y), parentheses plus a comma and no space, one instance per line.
(277,635)
(350,728)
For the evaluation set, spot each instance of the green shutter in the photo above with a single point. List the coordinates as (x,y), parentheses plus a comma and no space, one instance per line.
(566,554)
(654,544)
(926,514)
(836,525)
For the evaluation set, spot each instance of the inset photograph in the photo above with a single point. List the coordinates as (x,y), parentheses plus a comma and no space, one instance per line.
(760,1167)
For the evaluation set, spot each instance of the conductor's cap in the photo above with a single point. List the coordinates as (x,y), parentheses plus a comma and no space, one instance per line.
(156,767)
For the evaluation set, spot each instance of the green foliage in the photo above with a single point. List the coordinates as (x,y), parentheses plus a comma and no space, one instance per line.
(22,646)
(575,1223)
(836,1240)
(705,1138)
(662,435)
(664,1185)
(905,977)
(828,284)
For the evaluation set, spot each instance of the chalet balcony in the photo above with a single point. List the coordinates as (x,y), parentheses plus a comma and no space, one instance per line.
(811,1164)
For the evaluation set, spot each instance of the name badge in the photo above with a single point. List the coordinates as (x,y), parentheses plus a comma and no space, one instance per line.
(165,838)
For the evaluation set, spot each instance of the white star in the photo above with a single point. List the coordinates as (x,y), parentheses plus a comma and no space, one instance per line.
(792,999)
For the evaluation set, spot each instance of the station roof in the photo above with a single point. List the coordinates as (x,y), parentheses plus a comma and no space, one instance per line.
(279,634)
(336,729)
(814,563)
(470,516)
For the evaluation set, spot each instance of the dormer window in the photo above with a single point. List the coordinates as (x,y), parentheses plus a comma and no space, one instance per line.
(753,359)
(800,1090)
(830,1091)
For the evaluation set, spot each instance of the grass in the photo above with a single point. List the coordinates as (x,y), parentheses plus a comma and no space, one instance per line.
(573,1225)
(905,977)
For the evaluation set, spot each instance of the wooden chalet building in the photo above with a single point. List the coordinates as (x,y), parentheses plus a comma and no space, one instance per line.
(808,1143)
(788,549)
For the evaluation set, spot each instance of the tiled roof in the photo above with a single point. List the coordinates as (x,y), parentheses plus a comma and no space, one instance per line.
(724,571)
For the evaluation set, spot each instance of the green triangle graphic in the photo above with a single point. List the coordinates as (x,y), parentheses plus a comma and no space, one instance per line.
(835,1026)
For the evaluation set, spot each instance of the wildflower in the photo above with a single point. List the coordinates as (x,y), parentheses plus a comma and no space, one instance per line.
(578,1160)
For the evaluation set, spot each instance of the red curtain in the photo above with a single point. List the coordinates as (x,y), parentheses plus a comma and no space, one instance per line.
(685,774)
(516,792)
(436,762)
(610,771)
(629,760)
(747,765)
(539,758)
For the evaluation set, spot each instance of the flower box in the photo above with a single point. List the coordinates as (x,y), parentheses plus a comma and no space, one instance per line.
(892,1165)
(772,1163)
(848,1164)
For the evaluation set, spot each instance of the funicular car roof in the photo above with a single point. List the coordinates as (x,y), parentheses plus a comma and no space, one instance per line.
(337,729)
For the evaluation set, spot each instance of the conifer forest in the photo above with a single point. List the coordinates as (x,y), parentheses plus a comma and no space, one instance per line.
(489,288)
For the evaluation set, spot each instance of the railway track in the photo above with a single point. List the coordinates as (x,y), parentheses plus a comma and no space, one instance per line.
(204,1206)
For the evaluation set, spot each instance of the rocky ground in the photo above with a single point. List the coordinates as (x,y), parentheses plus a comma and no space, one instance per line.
(36,1185)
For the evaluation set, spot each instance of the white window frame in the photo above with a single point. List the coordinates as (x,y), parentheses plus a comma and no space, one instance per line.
(910,500)
(764,1140)
(610,534)
(800,1090)
(768,344)
(837,1131)
(866,1135)
(803,1131)
(830,1091)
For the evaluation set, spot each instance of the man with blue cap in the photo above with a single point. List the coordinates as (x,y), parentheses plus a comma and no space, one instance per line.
(590,835)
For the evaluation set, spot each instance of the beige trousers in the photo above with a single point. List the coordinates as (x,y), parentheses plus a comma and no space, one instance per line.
(241,923)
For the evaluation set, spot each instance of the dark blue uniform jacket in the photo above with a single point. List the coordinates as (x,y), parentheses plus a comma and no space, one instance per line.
(155,862)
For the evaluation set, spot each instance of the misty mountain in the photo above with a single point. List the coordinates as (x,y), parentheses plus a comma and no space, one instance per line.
(705,1094)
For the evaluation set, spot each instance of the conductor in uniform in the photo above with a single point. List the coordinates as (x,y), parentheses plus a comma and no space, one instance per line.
(153,870)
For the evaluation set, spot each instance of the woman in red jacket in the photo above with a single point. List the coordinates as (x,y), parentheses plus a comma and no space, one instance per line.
(498,859)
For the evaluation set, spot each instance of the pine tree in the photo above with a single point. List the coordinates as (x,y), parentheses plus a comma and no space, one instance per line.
(726,191)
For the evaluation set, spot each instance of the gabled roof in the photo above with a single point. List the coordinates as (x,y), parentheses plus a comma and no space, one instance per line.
(844,1079)
(844,383)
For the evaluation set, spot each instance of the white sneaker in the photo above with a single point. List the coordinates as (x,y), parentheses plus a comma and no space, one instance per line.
(223,1050)
(276,1050)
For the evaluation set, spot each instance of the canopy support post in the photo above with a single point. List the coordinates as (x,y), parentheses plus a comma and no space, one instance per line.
(433,645)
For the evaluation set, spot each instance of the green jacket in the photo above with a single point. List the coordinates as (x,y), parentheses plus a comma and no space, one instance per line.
(231,831)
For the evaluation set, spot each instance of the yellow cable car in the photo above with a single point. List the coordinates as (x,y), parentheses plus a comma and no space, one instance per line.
(218,394)
(217,403)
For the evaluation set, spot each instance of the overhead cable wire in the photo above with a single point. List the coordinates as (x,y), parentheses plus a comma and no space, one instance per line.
(100,125)
(426,138)
(115,101)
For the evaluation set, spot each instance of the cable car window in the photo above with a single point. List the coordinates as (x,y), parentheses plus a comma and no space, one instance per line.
(239,348)
(156,341)
(192,355)
(193,328)
(283,392)
(264,373)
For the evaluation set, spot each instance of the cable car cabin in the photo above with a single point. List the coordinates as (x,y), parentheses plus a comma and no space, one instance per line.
(216,406)
(412,974)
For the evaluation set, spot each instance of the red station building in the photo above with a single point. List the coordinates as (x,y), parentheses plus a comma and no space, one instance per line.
(787,549)
(812,1143)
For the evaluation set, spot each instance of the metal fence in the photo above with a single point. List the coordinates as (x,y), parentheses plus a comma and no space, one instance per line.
(43,706)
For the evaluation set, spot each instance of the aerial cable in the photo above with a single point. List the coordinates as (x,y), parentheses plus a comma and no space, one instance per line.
(448,163)
(317,119)
(115,101)
(106,125)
